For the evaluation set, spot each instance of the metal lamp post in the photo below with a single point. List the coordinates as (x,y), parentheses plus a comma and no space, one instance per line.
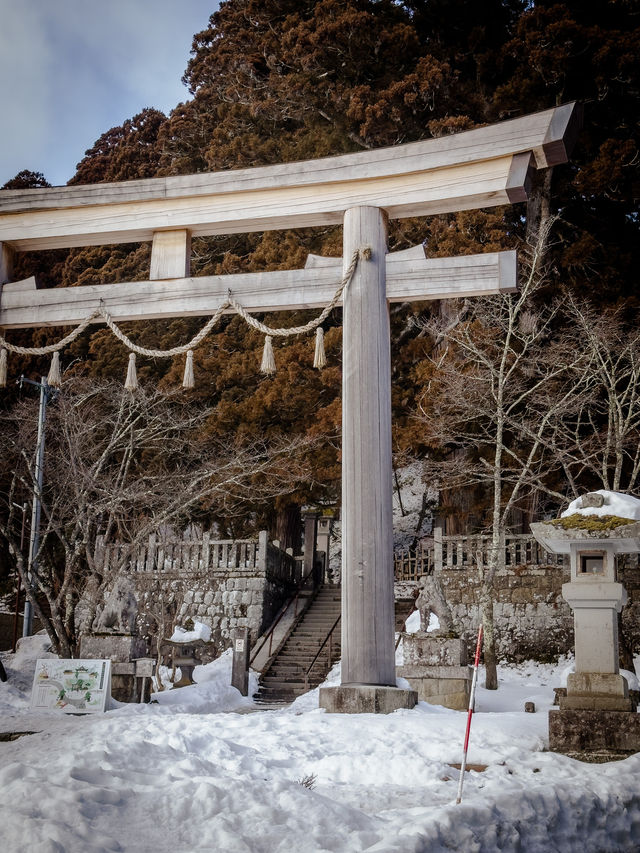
(34,538)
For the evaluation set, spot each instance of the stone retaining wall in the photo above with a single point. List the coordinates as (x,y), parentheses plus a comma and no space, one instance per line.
(221,600)
(629,577)
(531,617)
(224,584)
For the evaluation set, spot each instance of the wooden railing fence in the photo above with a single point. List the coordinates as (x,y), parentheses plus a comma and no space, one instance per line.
(202,556)
(461,552)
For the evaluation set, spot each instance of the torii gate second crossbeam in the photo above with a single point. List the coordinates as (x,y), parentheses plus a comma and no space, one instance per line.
(479,168)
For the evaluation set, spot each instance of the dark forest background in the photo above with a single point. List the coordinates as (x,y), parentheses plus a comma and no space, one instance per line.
(283,80)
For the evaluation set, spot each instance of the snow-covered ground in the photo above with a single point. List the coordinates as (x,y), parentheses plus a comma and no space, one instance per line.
(190,774)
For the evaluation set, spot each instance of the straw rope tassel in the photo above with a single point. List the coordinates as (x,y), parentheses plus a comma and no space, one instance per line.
(268,366)
(188,380)
(54,379)
(132,378)
(320,358)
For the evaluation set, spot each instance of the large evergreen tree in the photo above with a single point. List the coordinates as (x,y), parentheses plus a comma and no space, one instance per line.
(283,80)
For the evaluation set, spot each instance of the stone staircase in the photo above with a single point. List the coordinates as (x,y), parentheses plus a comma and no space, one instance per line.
(284,679)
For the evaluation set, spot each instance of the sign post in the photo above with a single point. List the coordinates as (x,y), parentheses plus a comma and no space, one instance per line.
(240,661)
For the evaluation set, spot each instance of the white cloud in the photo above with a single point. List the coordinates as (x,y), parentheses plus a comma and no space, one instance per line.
(72,69)
(25,61)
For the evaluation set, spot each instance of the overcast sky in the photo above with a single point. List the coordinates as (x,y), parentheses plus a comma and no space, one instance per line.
(72,69)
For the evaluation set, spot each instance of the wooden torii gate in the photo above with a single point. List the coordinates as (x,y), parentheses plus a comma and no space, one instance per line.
(478,168)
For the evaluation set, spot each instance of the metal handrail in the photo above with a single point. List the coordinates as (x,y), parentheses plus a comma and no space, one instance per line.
(293,599)
(324,642)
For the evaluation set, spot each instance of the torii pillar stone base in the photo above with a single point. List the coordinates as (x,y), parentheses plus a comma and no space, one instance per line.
(368,619)
(366,699)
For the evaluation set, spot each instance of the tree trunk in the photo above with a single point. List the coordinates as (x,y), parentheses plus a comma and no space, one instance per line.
(538,203)
(289,527)
(30,595)
(489,640)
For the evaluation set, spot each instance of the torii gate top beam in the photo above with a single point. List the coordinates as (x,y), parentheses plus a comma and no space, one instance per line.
(478,168)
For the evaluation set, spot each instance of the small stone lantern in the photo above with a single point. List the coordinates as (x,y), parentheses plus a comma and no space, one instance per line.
(592,532)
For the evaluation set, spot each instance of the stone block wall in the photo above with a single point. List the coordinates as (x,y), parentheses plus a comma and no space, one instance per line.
(532,619)
(225,584)
(223,600)
(629,577)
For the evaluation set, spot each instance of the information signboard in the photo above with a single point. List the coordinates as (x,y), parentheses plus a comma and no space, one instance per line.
(71,686)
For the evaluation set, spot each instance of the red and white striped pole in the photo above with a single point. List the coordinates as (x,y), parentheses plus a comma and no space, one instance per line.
(472,698)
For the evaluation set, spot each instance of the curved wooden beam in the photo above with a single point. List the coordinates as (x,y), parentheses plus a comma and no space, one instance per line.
(478,168)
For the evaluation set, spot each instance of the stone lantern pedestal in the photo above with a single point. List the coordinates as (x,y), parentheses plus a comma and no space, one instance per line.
(597,714)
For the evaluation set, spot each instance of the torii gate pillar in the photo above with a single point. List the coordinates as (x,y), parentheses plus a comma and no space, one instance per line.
(368,648)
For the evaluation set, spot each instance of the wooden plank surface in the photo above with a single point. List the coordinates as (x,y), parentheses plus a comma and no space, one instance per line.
(6,263)
(485,183)
(170,255)
(410,277)
(368,655)
(547,134)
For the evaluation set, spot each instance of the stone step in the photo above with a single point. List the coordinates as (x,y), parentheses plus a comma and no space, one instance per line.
(305,648)
(274,699)
(319,622)
(302,649)
(285,678)
(313,630)
(293,671)
(310,635)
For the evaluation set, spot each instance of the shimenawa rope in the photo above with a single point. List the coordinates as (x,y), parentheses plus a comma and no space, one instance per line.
(267,366)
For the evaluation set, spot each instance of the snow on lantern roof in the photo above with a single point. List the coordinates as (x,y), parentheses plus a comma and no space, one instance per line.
(602,518)
(612,503)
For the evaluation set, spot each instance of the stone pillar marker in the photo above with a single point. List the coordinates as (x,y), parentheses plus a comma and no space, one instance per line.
(368,630)
(240,660)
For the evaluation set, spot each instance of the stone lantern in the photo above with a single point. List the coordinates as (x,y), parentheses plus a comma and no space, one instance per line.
(597,713)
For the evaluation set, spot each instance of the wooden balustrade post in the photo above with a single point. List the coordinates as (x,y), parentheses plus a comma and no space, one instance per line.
(437,549)
(151,552)
(206,539)
(263,544)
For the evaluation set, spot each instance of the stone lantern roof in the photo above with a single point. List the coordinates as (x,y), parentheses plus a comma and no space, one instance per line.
(601,518)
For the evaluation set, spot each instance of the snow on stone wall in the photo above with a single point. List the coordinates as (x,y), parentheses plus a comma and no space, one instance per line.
(222,601)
